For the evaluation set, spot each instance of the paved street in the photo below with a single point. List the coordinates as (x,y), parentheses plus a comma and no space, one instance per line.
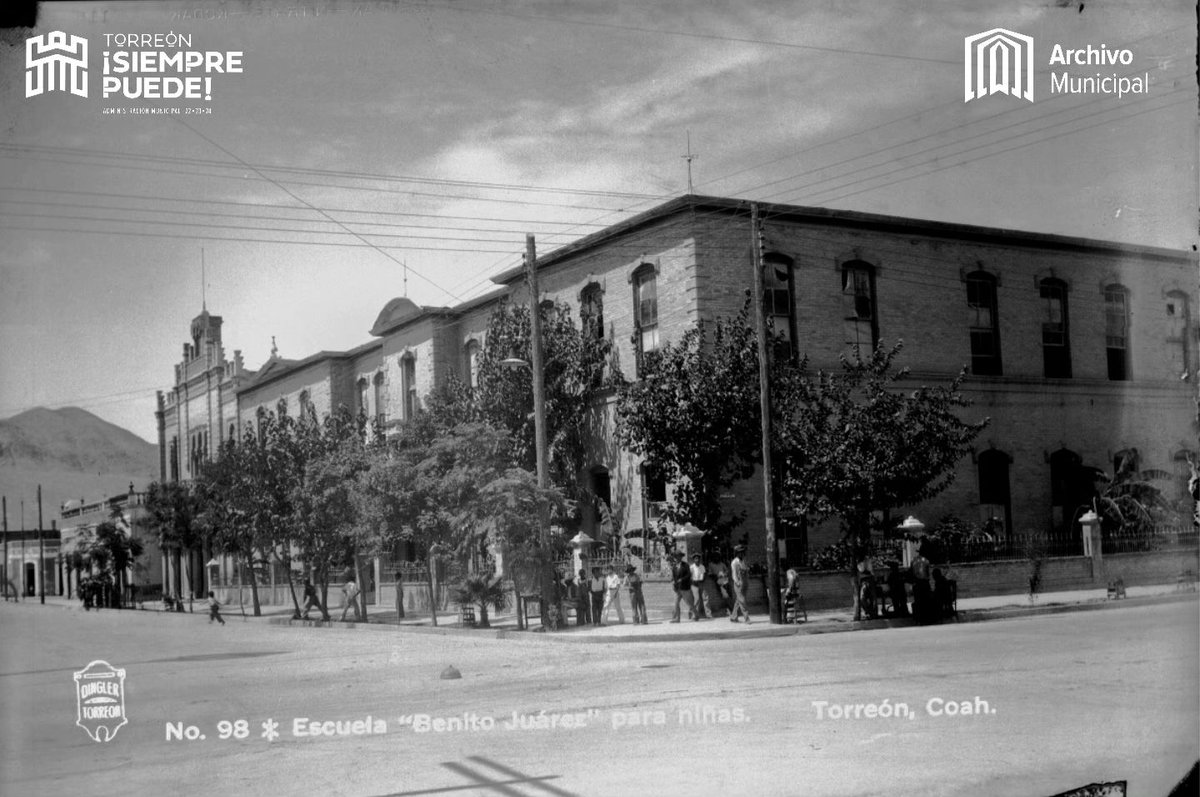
(1027,706)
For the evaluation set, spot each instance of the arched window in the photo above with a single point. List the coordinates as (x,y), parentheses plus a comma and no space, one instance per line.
(408,384)
(645,311)
(380,399)
(1116,331)
(779,302)
(995,500)
(1066,489)
(983,324)
(591,311)
(859,308)
(363,407)
(1056,329)
(472,362)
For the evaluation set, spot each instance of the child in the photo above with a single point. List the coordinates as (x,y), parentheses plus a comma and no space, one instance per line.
(214,609)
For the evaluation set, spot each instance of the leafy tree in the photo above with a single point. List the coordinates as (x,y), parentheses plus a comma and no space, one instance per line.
(246,495)
(856,444)
(171,510)
(576,365)
(114,551)
(694,417)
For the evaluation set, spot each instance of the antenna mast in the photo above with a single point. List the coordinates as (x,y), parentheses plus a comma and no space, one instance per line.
(689,157)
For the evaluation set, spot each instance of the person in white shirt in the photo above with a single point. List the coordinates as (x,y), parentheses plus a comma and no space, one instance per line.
(350,591)
(740,573)
(612,595)
(699,573)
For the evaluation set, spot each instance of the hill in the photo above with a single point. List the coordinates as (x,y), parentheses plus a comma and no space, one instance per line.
(72,454)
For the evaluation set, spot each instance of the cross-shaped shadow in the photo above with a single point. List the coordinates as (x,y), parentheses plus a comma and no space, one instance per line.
(502,780)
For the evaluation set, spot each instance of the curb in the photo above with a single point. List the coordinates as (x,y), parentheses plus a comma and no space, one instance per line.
(830,626)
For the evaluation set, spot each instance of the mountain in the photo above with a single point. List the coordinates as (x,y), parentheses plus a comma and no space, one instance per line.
(72,454)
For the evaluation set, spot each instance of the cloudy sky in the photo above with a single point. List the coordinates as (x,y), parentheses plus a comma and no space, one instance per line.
(368,150)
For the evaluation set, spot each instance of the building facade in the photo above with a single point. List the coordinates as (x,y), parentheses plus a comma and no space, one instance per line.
(1083,353)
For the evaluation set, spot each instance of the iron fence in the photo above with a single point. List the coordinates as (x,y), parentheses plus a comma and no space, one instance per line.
(1158,538)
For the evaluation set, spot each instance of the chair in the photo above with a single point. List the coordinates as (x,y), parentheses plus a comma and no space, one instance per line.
(793,607)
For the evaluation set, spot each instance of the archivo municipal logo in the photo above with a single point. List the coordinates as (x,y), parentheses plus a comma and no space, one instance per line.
(1000,61)
(100,698)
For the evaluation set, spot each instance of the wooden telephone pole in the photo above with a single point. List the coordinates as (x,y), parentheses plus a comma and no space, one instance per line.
(764,400)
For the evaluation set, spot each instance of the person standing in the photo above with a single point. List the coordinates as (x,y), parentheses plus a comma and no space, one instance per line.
(612,595)
(637,602)
(699,574)
(740,574)
(214,609)
(596,587)
(720,572)
(350,593)
(681,578)
(583,600)
(922,593)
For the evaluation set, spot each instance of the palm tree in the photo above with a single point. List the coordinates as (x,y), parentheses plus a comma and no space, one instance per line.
(481,591)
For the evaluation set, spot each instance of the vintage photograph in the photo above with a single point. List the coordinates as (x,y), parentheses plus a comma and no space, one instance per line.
(584,397)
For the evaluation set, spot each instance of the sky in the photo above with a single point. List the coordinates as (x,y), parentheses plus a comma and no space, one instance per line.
(369,150)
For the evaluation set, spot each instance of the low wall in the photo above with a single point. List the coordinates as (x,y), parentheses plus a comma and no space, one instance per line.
(831,590)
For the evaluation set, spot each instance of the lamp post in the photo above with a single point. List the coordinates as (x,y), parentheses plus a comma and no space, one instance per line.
(913,530)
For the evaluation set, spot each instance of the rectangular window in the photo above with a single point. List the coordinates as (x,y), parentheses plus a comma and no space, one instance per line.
(408,379)
(1056,341)
(1116,332)
(983,325)
(858,300)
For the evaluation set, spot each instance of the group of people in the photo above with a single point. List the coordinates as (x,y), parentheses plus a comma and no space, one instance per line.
(708,590)
(933,595)
(596,596)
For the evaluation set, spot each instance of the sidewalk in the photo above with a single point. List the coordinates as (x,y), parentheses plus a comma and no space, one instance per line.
(504,625)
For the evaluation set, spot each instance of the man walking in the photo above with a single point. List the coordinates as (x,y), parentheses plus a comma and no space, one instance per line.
(310,598)
(350,591)
(681,578)
(740,573)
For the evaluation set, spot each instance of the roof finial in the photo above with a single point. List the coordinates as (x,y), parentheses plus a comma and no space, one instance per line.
(274,348)
(203,284)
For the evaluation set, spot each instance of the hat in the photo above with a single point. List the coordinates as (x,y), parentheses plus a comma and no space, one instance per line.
(739,548)
(695,556)
(630,569)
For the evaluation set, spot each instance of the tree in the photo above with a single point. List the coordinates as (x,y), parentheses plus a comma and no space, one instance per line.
(577,364)
(171,516)
(694,415)
(856,445)
(114,551)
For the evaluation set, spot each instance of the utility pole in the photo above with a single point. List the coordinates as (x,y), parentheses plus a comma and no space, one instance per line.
(539,421)
(764,401)
(41,576)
